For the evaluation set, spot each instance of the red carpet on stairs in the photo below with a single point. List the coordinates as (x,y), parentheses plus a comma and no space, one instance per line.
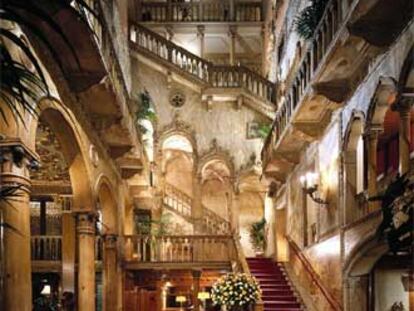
(277,294)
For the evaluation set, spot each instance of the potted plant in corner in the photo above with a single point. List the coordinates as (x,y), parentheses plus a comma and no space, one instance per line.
(236,292)
(257,233)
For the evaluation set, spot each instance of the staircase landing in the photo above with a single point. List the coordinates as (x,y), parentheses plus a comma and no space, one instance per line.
(277,293)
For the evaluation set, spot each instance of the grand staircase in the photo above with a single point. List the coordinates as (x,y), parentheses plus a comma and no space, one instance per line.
(245,85)
(180,203)
(277,292)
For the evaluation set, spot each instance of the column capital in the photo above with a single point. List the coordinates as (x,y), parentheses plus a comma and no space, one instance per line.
(196,273)
(373,131)
(201,30)
(85,222)
(403,106)
(233,31)
(13,149)
(110,240)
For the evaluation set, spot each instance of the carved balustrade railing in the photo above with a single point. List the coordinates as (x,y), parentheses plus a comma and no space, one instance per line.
(177,200)
(200,11)
(183,203)
(216,76)
(184,249)
(312,60)
(46,247)
(49,247)
(214,223)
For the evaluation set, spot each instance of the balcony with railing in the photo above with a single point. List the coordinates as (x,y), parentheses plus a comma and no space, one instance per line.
(180,251)
(330,68)
(199,11)
(213,78)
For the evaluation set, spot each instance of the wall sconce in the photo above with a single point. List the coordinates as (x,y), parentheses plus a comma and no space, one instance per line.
(310,185)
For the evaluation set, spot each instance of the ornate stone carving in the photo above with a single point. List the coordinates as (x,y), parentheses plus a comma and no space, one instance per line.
(215,152)
(177,99)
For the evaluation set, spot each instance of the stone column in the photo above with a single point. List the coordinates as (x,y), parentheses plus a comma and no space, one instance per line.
(15,261)
(305,217)
(232,51)
(264,36)
(169,31)
(68,252)
(197,208)
(372,141)
(200,36)
(86,260)
(235,208)
(110,273)
(196,289)
(404,109)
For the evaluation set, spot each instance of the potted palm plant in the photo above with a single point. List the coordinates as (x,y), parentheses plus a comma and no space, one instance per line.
(257,233)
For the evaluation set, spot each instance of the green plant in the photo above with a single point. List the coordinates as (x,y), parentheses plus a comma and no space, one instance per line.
(235,291)
(147,226)
(145,111)
(309,18)
(257,234)
(20,87)
(264,129)
(397,206)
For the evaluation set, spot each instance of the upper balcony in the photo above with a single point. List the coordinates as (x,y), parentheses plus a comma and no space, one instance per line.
(332,65)
(205,11)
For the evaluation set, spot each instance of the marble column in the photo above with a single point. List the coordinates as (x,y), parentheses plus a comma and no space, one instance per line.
(196,288)
(264,35)
(197,208)
(86,260)
(15,261)
(235,209)
(232,51)
(200,35)
(372,141)
(110,272)
(404,109)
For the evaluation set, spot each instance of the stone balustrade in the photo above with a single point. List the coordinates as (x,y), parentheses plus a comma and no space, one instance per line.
(46,247)
(49,248)
(201,11)
(182,203)
(311,61)
(183,249)
(177,200)
(214,76)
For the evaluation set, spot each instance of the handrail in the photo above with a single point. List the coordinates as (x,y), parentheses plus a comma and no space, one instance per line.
(46,247)
(216,76)
(324,35)
(314,276)
(179,248)
(182,203)
(201,11)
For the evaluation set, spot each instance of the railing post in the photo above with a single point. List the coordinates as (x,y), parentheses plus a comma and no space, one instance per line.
(169,11)
(232,10)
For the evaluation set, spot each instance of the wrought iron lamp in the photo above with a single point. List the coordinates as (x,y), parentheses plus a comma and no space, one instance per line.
(310,185)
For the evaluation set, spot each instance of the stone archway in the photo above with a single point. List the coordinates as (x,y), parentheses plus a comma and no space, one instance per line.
(67,131)
(108,207)
(354,164)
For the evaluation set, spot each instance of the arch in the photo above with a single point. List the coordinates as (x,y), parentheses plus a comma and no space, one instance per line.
(216,154)
(177,128)
(107,204)
(406,77)
(384,96)
(61,122)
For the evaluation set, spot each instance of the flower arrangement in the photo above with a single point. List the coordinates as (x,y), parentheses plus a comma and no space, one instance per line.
(236,291)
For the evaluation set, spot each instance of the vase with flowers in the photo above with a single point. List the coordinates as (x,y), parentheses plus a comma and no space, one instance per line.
(236,292)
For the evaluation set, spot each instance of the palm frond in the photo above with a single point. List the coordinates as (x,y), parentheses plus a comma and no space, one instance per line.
(308,19)
(20,88)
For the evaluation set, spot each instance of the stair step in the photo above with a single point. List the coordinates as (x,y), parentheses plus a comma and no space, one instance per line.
(277,294)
